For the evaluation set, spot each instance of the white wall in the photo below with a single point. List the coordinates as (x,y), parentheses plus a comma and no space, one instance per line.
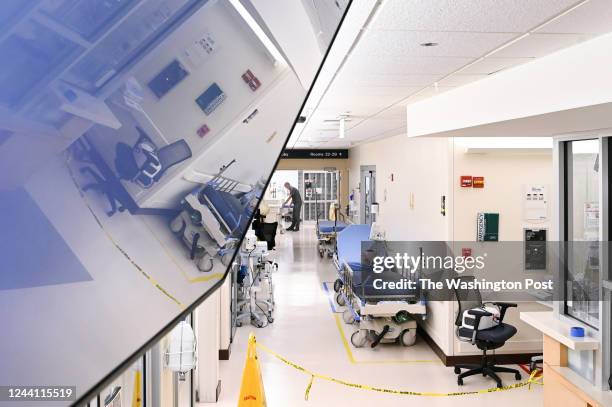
(428,168)
(505,175)
(177,115)
(419,168)
(255,145)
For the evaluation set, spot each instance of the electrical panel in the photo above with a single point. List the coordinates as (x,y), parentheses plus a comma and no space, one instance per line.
(535,203)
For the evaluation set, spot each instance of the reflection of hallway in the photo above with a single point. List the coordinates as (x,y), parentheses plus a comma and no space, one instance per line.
(307,332)
(61,325)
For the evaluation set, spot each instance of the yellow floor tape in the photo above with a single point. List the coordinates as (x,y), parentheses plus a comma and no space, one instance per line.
(527,383)
(191,280)
(117,246)
(352,359)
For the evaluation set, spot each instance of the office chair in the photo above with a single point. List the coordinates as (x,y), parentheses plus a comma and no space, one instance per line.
(486,339)
(152,162)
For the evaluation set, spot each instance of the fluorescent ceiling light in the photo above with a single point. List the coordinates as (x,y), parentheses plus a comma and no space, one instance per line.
(246,16)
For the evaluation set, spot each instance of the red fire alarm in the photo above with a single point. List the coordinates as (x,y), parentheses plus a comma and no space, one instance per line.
(478,182)
(466,181)
(202,131)
(251,80)
(466,252)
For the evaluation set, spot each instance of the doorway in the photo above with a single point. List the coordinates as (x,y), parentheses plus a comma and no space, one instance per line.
(367,182)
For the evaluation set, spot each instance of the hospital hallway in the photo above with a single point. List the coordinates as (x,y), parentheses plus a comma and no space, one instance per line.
(308,332)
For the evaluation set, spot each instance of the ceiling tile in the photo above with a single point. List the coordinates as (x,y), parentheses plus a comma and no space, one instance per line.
(593,17)
(492,65)
(514,16)
(460,79)
(538,45)
(352,78)
(408,43)
(360,63)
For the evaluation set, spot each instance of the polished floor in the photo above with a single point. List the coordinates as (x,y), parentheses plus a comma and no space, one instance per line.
(308,332)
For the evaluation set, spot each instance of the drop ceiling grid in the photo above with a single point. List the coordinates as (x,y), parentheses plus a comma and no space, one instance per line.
(389,65)
(485,16)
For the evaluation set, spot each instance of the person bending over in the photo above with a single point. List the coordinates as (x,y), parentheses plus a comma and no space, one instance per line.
(296,199)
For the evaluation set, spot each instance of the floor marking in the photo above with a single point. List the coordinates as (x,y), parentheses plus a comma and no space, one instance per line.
(191,280)
(347,347)
(349,352)
(329,298)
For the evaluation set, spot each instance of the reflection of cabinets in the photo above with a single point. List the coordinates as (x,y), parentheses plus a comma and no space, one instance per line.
(86,43)
(61,59)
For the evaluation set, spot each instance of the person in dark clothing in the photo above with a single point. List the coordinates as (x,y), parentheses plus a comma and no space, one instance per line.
(296,199)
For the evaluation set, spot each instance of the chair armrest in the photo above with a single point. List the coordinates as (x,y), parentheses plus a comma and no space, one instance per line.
(503,306)
(477,315)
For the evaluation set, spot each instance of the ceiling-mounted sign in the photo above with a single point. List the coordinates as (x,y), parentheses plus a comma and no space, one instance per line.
(315,154)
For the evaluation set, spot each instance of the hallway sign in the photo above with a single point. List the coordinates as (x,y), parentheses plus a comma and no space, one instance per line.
(315,153)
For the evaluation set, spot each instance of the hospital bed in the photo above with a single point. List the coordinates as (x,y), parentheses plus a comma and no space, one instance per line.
(382,315)
(213,217)
(327,231)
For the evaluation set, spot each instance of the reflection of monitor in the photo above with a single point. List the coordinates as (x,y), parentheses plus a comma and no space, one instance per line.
(114,398)
(168,78)
(210,99)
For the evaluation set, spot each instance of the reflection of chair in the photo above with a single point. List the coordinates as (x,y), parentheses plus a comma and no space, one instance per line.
(144,163)
(484,339)
(105,187)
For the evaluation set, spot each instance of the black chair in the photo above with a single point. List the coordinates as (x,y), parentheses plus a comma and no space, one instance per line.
(156,160)
(265,232)
(485,339)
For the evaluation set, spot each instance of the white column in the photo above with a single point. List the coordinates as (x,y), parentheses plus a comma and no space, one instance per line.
(207,317)
(225,316)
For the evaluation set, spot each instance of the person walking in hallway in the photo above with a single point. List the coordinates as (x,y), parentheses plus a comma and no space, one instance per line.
(296,199)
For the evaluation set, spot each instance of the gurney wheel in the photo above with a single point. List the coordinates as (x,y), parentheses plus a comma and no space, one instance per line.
(358,339)
(320,253)
(457,370)
(205,264)
(340,300)
(404,338)
(270,319)
(177,225)
(226,258)
(348,316)
(338,285)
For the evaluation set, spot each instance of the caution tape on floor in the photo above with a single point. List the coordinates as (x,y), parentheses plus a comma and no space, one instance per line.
(533,379)
(114,242)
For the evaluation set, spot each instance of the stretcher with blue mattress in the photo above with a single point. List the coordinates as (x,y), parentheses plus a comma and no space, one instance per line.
(383,315)
(327,232)
(213,217)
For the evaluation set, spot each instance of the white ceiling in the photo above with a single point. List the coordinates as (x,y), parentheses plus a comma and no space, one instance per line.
(387,68)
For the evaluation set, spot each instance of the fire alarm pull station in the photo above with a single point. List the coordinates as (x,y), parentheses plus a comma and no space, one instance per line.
(466,252)
(466,181)
(477,182)
(250,79)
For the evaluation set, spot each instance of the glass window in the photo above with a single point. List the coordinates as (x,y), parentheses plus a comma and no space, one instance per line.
(582,229)
(87,17)
(34,52)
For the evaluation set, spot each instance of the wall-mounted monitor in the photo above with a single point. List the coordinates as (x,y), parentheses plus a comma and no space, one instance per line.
(168,78)
(210,99)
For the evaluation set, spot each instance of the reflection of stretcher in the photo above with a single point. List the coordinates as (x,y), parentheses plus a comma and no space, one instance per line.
(213,218)
(382,315)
